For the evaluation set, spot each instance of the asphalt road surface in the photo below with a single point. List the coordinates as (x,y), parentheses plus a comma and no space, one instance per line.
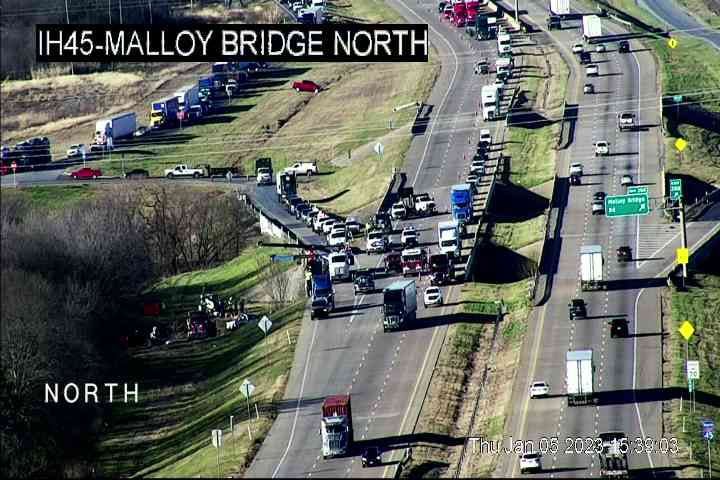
(386,373)
(670,13)
(627,371)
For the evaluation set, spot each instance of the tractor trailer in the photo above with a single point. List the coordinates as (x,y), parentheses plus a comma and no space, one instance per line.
(591,267)
(613,455)
(579,377)
(591,26)
(449,238)
(336,427)
(461,204)
(163,113)
(490,100)
(399,304)
(560,7)
(119,126)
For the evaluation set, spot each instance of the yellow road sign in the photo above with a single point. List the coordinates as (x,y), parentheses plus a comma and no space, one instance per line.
(672,43)
(680,144)
(683,255)
(686,330)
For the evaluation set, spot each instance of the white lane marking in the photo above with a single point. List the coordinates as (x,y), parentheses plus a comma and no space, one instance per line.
(637,408)
(297,407)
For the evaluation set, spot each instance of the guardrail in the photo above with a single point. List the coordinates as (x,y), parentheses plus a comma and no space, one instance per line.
(470,264)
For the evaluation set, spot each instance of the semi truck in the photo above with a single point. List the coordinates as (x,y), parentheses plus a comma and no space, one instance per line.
(591,26)
(613,455)
(322,295)
(264,171)
(504,43)
(336,428)
(163,113)
(116,127)
(461,204)
(459,13)
(579,378)
(286,185)
(399,304)
(414,261)
(490,101)
(471,10)
(591,267)
(205,88)
(188,97)
(560,7)
(449,238)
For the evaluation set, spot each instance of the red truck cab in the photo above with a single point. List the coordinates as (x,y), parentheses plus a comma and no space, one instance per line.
(471,9)
(86,173)
(306,86)
(459,13)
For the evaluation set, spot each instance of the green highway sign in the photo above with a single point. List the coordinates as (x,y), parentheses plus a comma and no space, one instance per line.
(636,190)
(676,188)
(677,98)
(626,205)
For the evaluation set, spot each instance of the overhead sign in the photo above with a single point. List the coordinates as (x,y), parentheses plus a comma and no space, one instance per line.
(247,388)
(676,188)
(693,370)
(265,324)
(217,438)
(282,258)
(627,205)
(637,190)
(683,256)
(708,428)
(686,330)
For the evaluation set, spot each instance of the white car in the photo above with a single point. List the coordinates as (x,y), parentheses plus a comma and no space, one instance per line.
(576,169)
(477,167)
(432,296)
(318,220)
(539,389)
(626,180)
(600,48)
(339,266)
(602,148)
(398,211)
(530,462)
(353,225)
(577,48)
(339,226)
(485,136)
(376,242)
(598,207)
(297,6)
(337,239)
(592,70)
(408,235)
(327,225)
(76,150)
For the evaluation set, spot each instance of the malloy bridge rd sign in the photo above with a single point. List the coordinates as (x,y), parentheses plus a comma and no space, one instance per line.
(627,205)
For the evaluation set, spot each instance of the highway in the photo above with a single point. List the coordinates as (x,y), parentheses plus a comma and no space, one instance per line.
(627,371)
(670,13)
(386,373)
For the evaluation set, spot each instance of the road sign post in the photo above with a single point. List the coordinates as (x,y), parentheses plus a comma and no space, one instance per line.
(627,205)
(247,388)
(13,165)
(708,427)
(217,443)
(676,188)
(265,324)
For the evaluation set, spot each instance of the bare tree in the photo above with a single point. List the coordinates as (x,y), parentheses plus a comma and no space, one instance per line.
(276,280)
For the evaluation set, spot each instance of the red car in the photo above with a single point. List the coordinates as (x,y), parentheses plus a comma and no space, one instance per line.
(306,86)
(86,173)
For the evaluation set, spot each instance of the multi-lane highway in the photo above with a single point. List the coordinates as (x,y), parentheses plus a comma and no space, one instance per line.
(627,371)
(386,373)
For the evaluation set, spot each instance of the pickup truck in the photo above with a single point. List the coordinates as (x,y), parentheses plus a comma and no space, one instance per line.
(303,168)
(184,171)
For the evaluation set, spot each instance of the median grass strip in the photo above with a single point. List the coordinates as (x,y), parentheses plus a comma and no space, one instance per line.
(50,197)
(700,305)
(517,236)
(456,380)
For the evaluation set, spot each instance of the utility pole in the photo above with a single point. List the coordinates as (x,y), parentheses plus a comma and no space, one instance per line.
(150,7)
(517,11)
(67,17)
(121,18)
(109,12)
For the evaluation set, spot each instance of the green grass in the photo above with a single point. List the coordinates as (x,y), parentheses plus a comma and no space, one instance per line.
(700,306)
(50,197)
(699,8)
(372,11)
(521,234)
(532,156)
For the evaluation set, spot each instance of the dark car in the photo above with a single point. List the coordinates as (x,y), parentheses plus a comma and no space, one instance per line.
(624,46)
(301,209)
(599,196)
(619,328)
(574,179)
(441,6)
(553,22)
(363,282)
(393,262)
(137,174)
(624,254)
(371,457)
(576,309)
(585,57)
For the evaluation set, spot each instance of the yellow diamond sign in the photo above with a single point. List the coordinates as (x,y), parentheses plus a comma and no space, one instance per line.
(683,255)
(680,144)
(686,330)
(672,43)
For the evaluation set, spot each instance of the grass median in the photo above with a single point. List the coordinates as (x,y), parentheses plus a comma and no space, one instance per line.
(50,197)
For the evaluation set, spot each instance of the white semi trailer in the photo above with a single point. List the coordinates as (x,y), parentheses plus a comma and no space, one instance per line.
(579,378)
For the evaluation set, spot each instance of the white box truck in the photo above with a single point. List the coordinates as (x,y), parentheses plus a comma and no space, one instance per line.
(489,99)
(117,127)
(560,7)
(449,238)
(579,377)
(591,267)
(591,26)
